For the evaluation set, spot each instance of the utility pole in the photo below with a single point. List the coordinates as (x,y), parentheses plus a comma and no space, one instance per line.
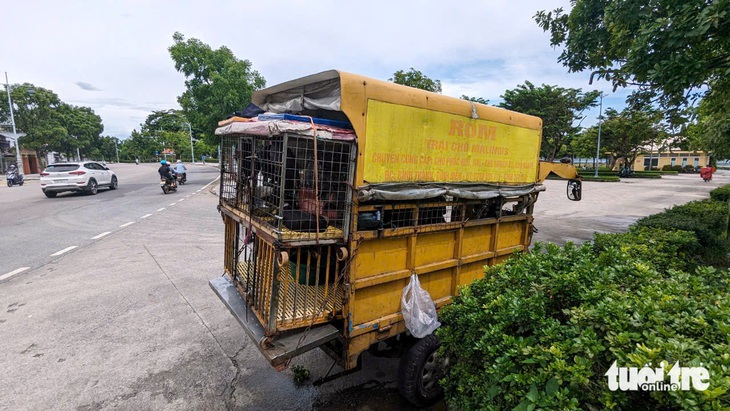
(598,148)
(117,149)
(192,150)
(18,156)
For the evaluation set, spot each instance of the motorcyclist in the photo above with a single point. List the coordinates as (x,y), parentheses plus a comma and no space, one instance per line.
(165,171)
(181,169)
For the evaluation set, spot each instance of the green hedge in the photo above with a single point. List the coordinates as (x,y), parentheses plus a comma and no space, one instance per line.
(664,249)
(707,219)
(721,193)
(540,331)
(600,178)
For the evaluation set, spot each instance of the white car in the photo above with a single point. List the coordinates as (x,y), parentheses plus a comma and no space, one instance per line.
(85,176)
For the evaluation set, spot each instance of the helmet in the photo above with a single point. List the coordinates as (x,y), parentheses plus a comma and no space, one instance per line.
(163,162)
(179,161)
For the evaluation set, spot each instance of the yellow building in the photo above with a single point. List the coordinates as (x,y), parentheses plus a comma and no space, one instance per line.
(673,158)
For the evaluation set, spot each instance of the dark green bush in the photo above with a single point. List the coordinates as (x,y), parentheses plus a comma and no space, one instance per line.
(540,331)
(664,249)
(707,219)
(721,194)
(667,167)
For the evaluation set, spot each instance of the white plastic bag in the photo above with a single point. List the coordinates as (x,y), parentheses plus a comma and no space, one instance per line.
(419,311)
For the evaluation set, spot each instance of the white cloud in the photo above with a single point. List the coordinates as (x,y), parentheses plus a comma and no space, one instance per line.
(119,49)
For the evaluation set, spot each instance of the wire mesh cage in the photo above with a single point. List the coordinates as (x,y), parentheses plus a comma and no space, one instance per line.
(296,186)
(286,288)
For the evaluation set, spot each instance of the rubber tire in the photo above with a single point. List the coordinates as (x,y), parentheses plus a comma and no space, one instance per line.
(50,194)
(114,184)
(21,184)
(93,187)
(10,183)
(165,190)
(411,371)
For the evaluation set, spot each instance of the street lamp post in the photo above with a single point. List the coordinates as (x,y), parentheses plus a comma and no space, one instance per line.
(18,156)
(116,148)
(598,147)
(192,150)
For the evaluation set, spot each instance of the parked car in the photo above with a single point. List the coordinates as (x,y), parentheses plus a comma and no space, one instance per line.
(86,176)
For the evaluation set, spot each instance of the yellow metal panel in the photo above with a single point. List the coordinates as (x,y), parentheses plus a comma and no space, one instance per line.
(510,234)
(470,272)
(438,283)
(476,239)
(417,144)
(358,91)
(379,256)
(377,301)
(435,247)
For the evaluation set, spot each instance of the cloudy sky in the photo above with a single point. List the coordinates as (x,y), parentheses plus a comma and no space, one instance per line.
(112,55)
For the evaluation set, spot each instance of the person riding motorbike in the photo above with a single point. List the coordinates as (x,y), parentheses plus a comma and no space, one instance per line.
(180,169)
(12,176)
(166,172)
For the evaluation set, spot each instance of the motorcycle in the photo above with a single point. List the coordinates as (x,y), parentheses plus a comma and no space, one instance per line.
(182,178)
(12,177)
(168,185)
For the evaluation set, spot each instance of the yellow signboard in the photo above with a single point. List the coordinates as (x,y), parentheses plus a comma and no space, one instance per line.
(418,145)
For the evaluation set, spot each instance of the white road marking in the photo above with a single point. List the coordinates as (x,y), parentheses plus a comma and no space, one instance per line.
(101,235)
(126,224)
(182,199)
(146,215)
(172,204)
(160,209)
(12,273)
(188,195)
(65,250)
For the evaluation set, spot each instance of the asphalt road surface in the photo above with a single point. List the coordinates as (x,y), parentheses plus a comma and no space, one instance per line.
(127,320)
(34,227)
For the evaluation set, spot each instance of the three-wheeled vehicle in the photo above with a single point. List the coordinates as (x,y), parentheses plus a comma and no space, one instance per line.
(343,188)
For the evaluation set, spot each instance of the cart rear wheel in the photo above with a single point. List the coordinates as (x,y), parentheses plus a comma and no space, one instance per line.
(420,370)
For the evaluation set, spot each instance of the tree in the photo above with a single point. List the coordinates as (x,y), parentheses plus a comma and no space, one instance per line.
(475,99)
(139,145)
(675,51)
(559,108)
(414,78)
(217,83)
(37,114)
(625,134)
(83,129)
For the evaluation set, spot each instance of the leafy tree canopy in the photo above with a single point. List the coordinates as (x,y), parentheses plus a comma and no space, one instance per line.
(625,134)
(416,79)
(162,129)
(217,83)
(475,99)
(559,108)
(674,50)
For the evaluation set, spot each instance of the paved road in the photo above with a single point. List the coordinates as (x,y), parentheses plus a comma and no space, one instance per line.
(128,321)
(611,207)
(34,227)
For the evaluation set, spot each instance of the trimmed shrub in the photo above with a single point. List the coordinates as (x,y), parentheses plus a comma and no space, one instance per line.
(666,167)
(707,219)
(721,194)
(688,169)
(541,330)
(664,249)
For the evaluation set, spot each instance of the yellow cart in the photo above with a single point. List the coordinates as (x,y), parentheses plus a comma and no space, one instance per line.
(346,186)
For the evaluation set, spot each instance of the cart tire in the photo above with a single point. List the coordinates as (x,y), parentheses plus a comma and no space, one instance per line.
(419,372)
